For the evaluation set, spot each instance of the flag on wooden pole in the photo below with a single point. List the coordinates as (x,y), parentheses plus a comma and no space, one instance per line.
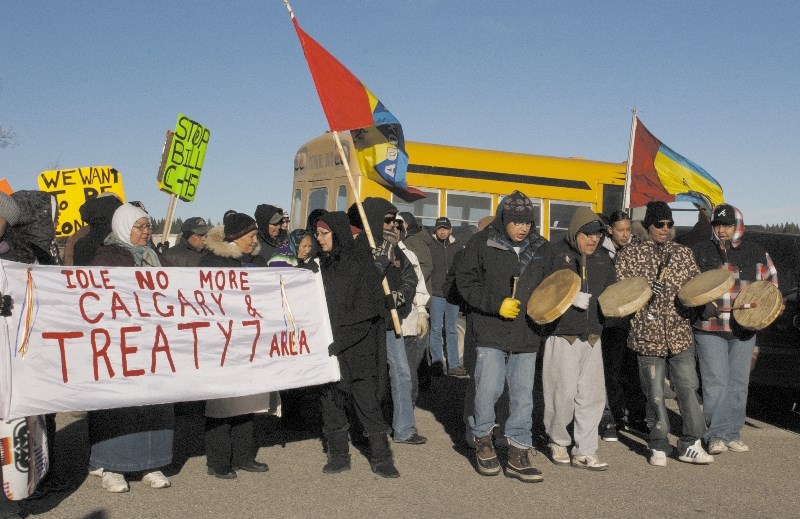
(350,106)
(659,173)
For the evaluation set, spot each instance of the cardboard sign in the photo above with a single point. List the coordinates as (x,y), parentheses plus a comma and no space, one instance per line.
(73,187)
(107,337)
(180,172)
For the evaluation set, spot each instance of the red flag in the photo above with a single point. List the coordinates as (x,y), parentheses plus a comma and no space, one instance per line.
(342,95)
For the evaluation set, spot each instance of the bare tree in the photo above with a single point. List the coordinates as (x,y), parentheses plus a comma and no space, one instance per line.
(7,137)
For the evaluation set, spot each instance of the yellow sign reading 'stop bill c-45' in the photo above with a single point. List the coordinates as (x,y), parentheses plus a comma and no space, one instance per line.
(181,170)
(73,187)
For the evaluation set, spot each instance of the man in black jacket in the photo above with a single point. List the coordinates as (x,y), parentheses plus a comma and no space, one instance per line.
(271,236)
(191,248)
(444,247)
(572,364)
(399,272)
(498,269)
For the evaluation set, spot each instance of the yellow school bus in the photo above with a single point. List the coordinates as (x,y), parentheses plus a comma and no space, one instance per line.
(464,184)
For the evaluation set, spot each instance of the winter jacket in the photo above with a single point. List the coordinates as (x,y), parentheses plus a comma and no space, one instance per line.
(355,302)
(36,226)
(97,213)
(223,254)
(484,278)
(747,262)
(399,271)
(183,254)
(421,296)
(268,246)
(442,253)
(599,275)
(419,242)
(671,331)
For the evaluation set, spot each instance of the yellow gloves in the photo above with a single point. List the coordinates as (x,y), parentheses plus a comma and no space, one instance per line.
(509,308)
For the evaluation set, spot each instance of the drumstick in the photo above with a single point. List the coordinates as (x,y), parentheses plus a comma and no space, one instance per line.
(583,273)
(514,287)
(745,306)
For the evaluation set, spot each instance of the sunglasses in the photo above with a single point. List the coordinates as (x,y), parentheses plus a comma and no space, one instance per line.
(389,219)
(660,225)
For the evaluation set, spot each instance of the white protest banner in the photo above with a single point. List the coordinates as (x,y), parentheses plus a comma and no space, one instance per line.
(106,337)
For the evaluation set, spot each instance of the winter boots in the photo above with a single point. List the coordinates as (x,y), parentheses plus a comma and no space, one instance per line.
(519,466)
(338,452)
(485,457)
(381,456)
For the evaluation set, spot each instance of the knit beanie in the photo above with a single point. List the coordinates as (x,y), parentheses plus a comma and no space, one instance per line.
(518,208)
(656,211)
(9,210)
(237,225)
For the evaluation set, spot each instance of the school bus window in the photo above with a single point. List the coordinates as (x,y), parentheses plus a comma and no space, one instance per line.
(297,208)
(318,199)
(341,199)
(560,215)
(425,209)
(613,197)
(466,209)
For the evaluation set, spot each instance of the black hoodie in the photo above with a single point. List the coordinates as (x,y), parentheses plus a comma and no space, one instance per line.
(97,213)
(400,271)
(269,246)
(352,292)
(599,275)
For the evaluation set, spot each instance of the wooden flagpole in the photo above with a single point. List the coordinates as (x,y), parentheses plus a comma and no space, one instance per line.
(370,239)
(626,201)
(398,331)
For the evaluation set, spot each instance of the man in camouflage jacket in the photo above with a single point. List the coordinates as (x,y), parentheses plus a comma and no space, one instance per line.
(661,334)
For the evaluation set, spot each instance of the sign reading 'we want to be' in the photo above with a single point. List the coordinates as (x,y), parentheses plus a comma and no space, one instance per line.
(73,187)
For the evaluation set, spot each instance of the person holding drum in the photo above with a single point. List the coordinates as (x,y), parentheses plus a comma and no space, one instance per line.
(572,366)
(497,271)
(724,346)
(661,334)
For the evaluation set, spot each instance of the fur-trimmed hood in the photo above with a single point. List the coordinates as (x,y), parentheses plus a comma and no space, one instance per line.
(216,244)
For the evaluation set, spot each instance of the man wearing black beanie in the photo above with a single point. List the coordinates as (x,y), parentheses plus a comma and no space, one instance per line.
(661,334)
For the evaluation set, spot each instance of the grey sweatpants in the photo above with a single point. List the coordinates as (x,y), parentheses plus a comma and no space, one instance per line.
(574,388)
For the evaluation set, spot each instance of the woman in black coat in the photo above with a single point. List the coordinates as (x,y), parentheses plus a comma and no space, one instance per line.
(355,302)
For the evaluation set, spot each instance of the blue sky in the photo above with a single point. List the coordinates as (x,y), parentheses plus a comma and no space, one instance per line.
(92,83)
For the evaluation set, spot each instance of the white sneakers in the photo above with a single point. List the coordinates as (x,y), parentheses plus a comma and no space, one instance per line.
(695,453)
(115,482)
(559,454)
(658,458)
(738,446)
(156,479)
(717,447)
(590,461)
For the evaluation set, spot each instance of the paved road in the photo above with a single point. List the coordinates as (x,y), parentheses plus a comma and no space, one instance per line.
(438,479)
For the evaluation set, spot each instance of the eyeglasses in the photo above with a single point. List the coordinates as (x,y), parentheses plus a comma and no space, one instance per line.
(321,234)
(660,225)
(145,227)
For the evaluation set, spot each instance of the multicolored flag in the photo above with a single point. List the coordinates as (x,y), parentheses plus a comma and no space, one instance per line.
(349,105)
(658,173)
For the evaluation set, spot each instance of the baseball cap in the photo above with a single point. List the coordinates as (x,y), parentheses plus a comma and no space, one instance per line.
(195,225)
(443,222)
(724,214)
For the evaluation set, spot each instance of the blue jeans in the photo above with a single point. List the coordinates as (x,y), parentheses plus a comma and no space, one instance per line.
(441,311)
(683,376)
(493,368)
(403,422)
(725,369)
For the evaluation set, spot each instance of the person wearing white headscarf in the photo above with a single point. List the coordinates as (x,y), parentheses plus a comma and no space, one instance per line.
(130,439)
